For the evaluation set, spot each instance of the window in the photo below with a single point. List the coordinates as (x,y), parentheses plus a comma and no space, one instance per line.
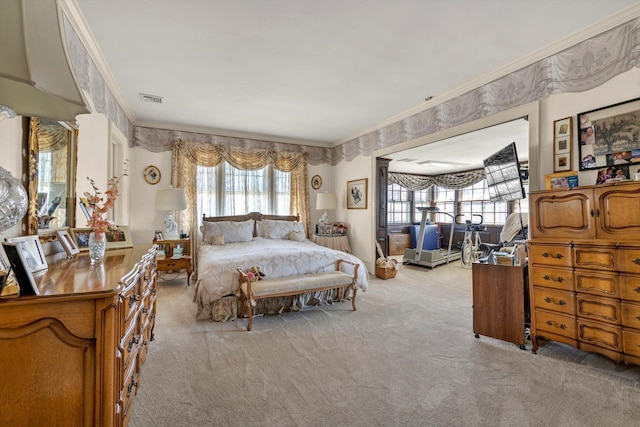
(398,204)
(445,201)
(226,190)
(475,200)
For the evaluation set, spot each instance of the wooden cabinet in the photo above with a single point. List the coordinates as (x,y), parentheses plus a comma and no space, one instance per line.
(398,242)
(73,355)
(169,259)
(500,302)
(586,213)
(585,268)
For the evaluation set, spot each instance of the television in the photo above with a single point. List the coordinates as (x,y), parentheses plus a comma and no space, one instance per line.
(502,172)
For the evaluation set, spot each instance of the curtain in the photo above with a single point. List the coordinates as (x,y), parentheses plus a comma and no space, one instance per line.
(451,181)
(187,156)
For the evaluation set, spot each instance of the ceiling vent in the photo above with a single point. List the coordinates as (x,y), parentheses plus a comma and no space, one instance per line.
(151,98)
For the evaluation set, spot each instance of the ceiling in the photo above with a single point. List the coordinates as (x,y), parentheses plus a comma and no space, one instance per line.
(313,72)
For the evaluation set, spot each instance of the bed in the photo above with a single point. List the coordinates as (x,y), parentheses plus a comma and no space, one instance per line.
(278,246)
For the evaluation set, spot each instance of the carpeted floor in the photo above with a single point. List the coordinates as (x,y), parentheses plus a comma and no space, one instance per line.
(407,357)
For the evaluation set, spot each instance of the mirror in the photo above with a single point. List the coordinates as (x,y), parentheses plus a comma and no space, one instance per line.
(52,160)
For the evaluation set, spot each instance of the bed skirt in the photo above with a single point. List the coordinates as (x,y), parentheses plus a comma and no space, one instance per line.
(226,308)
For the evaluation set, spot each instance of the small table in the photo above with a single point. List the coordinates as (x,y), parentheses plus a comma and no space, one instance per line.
(334,241)
(170,263)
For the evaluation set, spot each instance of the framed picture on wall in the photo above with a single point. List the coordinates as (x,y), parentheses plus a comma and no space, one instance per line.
(357,194)
(562,141)
(610,136)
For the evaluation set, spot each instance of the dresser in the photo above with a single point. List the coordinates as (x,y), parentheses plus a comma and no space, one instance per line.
(584,257)
(72,356)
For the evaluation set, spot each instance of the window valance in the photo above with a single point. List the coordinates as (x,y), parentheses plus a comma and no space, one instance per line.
(451,181)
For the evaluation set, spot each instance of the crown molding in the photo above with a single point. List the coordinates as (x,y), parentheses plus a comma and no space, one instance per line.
(615,20)
(176,127)
(72,12)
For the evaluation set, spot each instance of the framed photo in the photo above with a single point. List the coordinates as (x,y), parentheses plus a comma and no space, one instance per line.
(613,174)
(316,182)
(81,237)
(562,162)
(119,238)
(67,242)
(561,180)
(31,249)
(562,141)
(152,175)
(159,236)
(610,136)
(357,194)
(21,270)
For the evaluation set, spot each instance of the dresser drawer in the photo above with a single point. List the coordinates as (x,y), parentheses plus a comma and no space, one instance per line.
(631,341)
(595,257)
(130,304)
(555,323)
(129,344)
(595,308)
(554,300)
(552,277)
(629,260)
(600,283)
(173,264)
(630,315)
(558,255)
(129,390)
(600,334)
(630,287)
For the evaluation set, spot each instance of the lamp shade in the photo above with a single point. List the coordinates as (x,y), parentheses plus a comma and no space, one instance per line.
(35,77)
(326,201)
(171,199)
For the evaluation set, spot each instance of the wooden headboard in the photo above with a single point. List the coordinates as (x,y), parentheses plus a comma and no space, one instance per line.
(256,216)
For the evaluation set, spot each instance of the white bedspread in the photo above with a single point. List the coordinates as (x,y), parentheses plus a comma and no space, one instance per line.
(217,276)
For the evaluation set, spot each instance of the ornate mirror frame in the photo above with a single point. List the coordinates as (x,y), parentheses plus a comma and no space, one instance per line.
(67,131)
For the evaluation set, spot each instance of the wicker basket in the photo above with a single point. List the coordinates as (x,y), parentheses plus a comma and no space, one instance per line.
(386,273)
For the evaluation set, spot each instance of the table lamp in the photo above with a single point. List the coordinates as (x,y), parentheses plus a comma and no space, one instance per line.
(326,201)
(171,199)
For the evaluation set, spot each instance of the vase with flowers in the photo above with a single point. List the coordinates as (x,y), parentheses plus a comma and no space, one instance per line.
(100,205)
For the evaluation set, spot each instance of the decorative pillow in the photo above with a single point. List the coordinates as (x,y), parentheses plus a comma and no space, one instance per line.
(279,229)
(232,231)
(297,236)
(217,240)
(259,228)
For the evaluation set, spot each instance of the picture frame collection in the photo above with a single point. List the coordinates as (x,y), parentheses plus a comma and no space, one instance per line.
(608,141)
(23,258)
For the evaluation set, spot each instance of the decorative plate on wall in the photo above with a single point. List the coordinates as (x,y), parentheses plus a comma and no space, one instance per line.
(152,175)
(316,182)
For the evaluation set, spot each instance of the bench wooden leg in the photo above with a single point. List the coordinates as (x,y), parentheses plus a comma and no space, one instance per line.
(353,299)
(250,307)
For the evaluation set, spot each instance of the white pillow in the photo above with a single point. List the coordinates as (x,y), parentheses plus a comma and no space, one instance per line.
(232,231)
(297,236)
(278,229)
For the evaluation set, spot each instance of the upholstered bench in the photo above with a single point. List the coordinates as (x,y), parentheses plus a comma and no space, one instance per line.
(252,289)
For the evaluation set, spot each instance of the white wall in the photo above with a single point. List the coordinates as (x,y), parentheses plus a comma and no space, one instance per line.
(11,141)
(144,217)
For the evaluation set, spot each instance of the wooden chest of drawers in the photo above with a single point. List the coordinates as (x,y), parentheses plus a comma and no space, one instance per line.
(79,346)
(585,269)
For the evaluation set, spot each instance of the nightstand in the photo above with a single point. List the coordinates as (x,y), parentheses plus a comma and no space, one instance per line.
(333,241)
(172,262)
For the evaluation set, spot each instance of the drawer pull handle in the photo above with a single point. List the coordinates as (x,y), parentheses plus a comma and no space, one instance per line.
(561,302)
(145,310)
(636,261)
(562,325)
(559,279)
(547,255)
(638,317)
(637,289)
(133,341)
(130,388)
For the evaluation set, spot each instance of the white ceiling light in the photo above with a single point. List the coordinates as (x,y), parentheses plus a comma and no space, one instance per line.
(35,77)
(440,163)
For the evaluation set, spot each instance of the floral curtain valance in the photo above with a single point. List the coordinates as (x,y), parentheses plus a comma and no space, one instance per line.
(187,156)
(451,181)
